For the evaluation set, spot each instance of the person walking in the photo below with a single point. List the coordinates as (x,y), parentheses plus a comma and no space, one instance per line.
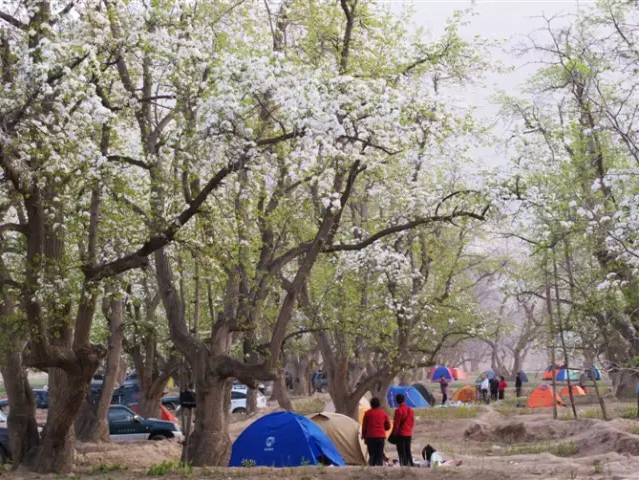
(518,384)
(502,387)
(485,386)
(403,429)
(375,424)
(443,383)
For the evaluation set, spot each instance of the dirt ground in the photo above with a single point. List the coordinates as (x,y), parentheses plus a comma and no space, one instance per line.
(492,442)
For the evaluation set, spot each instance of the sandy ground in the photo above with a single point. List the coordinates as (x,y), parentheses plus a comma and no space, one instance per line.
(491,445)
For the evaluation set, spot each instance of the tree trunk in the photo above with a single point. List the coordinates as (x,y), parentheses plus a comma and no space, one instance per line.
(345,402)
(21,422)
(252,401)
(66,394)
(149,403)
(92,424)
(279,393)
(209,443)
(625,383)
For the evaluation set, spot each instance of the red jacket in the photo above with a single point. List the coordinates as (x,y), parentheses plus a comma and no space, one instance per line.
(502,385)
(403,421)
(375,423)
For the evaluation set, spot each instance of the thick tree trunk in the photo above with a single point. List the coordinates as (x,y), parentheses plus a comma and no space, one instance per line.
(23,430)
(345,402)
(209,443)
(149,403)
(625,383)
(92,424)
(66,394)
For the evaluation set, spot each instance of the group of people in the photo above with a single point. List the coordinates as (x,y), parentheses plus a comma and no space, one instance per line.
(375,425)
(495,388)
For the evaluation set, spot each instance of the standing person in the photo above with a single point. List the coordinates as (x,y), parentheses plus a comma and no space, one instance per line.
(494,388)
(502,387)
(518,384)
(375,424)
(403,428)
(443,383)
(485,386)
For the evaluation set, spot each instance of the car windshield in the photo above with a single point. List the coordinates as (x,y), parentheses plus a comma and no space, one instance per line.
(117,414)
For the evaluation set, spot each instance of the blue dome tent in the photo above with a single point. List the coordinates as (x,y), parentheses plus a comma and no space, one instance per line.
(441,371)
(564,374)
(412,397)
(284,439)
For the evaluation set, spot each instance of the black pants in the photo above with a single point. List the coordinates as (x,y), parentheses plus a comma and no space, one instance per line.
(501,395)
(495,395)
(375,448)
(404,449)
(444,398)
(484,395)
(518,392)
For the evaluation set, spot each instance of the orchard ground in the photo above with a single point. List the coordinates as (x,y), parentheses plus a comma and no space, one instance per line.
(497,441)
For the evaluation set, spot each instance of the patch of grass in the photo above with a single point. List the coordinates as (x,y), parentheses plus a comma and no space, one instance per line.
(445,413)
(308,405)
(509,409)
(627,411)
(632,427)
(106,468)
(170,467)
(563,449)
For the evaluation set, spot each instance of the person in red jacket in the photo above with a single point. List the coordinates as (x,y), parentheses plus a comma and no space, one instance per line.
(502,387)
(403,429)
(375,424)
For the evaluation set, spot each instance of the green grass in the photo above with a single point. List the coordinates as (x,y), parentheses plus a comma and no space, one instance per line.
(632,427)
(563,449)
(628,411)
(170,467)
(445,413)
(308,406)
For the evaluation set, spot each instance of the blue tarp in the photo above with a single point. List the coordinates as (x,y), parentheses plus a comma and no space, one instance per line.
(412,396)
(596,373)
(283,439)
(441,371)
(522,376)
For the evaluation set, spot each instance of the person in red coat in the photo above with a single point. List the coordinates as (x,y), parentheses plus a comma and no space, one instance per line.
(502,387)
(375,424)
(403,429)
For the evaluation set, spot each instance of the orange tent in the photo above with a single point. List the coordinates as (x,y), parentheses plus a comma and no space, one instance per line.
(542,396)
(577,391)
(457,373)
(465,394)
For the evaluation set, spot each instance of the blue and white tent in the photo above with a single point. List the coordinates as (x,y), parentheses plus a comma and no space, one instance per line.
(284,439)
(441,372)
(412,396)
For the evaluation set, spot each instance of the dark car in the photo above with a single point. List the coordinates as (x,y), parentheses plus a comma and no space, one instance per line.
(40,395)
(5,454)
(171,402)
(126,425)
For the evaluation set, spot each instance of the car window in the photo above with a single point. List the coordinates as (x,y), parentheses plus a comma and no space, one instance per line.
(237,395)
(120,415)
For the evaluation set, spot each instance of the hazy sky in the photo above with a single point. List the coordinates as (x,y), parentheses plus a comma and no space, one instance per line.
(505,22)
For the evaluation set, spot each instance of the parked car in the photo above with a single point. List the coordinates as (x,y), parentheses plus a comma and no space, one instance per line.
(5,453)
(126,426)
(172,402)
(41,396)
(239,399)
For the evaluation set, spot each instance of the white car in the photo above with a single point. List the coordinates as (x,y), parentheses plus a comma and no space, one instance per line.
(239,399)
(3,419)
